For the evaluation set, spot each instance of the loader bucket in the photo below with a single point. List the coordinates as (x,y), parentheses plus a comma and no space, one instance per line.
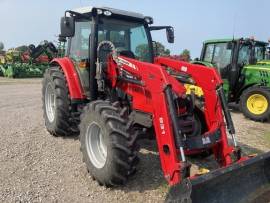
(248,181)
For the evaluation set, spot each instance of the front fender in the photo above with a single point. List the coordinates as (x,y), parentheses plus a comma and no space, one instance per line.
(73,81)
(239,93)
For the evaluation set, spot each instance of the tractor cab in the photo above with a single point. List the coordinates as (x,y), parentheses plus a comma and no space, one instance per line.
(245,69)
(230,56)
(87,27)
(222,53)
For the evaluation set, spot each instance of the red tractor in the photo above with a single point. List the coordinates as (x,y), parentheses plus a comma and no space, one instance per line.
(112,91)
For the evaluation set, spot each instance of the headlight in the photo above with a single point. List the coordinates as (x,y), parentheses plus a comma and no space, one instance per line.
(99,11)
(107,13)
(149,20)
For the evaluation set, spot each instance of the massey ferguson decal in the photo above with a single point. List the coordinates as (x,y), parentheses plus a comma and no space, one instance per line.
(127,63)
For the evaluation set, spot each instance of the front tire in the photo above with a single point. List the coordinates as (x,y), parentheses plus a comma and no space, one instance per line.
(254,103)
(106,145)
(57,109)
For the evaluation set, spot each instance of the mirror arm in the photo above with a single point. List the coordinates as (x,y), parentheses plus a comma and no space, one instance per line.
(159,27)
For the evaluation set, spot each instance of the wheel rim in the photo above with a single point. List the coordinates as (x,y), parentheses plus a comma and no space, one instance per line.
(95,145)
(257,104)
(50,102)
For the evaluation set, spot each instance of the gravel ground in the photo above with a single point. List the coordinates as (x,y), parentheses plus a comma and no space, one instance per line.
(37,167)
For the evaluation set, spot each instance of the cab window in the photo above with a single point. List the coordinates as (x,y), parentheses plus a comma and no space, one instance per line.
(244,54)
(80,42)
(219,55)
(126,36)
(209,53)
(260,53)
(222,56)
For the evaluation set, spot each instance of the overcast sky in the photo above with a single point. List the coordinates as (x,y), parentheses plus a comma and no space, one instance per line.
(31,21)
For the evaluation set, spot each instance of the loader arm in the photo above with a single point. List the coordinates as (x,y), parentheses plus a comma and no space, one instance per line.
(209,80)
(146,84)
(152,89)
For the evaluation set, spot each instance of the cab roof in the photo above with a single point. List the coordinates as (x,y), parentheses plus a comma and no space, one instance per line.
(212,41)
(90,9)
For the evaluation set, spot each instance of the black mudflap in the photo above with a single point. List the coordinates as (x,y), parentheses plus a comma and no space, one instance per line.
(245,182)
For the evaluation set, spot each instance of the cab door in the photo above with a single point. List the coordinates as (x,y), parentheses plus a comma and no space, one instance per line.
(79,51)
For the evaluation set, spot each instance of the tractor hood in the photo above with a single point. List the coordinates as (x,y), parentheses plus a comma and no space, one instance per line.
(260,66)
(257,74)
(264,62)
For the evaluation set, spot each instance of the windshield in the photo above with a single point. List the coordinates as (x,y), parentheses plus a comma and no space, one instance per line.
(126,36)
(218,54)
(260,52)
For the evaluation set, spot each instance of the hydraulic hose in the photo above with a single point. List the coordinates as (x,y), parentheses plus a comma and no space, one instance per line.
(230,125)
(227,114)
(176,129)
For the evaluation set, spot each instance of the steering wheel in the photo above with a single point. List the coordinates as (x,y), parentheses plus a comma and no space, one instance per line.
(107,47)
(104,49)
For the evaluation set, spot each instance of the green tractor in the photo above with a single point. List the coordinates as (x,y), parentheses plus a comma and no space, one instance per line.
(268,53)
(244,66)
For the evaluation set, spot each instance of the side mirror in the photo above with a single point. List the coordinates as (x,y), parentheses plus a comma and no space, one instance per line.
(170,34)
(67,27)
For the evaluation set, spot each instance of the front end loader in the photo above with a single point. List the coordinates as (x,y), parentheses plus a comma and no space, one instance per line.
(112,91)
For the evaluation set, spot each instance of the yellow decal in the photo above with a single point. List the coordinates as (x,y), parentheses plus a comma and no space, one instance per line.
(202,171)
(196,89)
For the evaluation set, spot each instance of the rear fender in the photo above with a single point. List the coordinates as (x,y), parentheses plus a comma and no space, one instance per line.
(239,93)
(73,80)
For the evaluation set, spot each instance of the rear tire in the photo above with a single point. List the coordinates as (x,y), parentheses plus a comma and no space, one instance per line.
(57,110)
(106,145)
(254,103)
